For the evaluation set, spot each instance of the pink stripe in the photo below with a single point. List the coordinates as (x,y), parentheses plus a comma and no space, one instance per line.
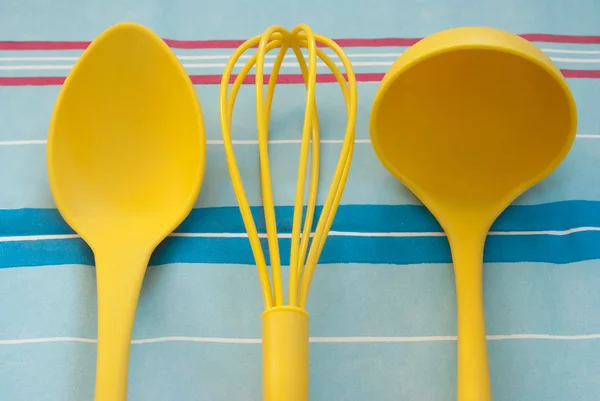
(550,38)
(581,73)
(201,44)
(204,44)
(31,81)
(42,45)
(234,43)
(283,78)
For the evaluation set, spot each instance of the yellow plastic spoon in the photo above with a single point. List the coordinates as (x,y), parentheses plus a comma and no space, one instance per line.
(126,154)
(468,119)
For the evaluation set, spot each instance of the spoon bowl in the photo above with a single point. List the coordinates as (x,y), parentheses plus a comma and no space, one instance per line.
(468,119)
(126,148)
(126,154)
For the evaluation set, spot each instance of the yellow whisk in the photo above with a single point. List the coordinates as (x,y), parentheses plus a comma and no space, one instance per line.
(285,326)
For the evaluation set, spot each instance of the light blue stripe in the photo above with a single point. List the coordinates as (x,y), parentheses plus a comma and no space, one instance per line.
(62,68)
(288,108)
(338,249)
(23,169)
(547,47)
(286,122)
(345,300)
(48,372)
(233,19)
(559,216)
(544,370)
(209,67)
(519,370)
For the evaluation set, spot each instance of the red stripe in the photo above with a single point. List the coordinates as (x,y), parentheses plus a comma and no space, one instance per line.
(550,38)
(31,81)
(42,45)
(234,43)
(283,78)
(202,44)
(581,73)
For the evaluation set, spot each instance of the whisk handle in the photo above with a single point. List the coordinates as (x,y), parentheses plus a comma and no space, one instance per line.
(285,354)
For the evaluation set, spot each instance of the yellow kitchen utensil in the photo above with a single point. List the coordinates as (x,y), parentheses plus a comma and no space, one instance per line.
(126,154)
(468,119)
(285,325)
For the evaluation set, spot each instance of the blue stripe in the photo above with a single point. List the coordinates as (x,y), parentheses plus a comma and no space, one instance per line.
(354,218)
(338,249)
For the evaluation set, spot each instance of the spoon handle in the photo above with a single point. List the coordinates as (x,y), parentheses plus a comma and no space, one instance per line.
(473,382)
(119,283)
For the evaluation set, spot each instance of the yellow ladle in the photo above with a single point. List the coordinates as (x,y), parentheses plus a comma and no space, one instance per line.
(126,153)
(468,119)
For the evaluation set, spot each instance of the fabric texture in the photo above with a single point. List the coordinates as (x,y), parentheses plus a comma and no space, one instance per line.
(382,303)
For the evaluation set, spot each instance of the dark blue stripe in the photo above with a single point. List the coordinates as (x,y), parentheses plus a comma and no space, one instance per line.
(365,218)
(338,249)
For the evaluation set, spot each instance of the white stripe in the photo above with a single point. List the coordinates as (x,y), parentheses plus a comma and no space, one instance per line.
(330,340)
(253,141)
(34,67)
(543,337)
(24,142)
(564,51)
(331,233)
(208,142)
(40,67)
(213,57)
(196,65)
(283,141)
(498,337)
(575,60)
(39,58)
(289,56)
(48,340)
(387,235)
(213,340)
(293,64)
(203,57)
(38,237)
(550,232)
(220,235)
(441,234)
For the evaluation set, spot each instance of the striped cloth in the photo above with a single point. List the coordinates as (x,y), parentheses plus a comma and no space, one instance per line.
(382,306)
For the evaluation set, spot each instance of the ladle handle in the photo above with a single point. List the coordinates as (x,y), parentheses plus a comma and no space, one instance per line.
(119,280)
(473,381)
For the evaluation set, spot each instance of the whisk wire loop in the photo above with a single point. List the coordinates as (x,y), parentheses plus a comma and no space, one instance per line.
(304,252)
